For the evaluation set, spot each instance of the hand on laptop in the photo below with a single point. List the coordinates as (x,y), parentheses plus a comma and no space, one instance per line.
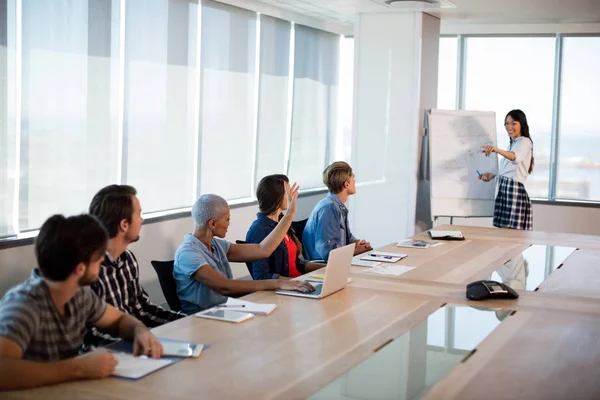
(299,286)
(362,246)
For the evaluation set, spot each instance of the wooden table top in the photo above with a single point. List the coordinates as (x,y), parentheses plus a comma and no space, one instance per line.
(305,344)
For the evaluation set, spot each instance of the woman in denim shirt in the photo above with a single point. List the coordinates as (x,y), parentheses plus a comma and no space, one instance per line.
(286,260)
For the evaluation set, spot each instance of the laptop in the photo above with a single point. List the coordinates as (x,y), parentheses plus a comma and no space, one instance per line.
(336,275)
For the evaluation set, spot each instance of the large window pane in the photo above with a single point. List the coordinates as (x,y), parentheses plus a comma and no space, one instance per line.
(579,138)
(316,58)
(447,73)
(228,99)
(508,73)
(273,96)
(160,101)
(7,115)
(69,100)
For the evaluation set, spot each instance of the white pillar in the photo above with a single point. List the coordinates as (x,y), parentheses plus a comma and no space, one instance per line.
(396,62)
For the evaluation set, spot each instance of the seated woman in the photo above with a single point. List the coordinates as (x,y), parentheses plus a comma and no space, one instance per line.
(201,267)
(287,258)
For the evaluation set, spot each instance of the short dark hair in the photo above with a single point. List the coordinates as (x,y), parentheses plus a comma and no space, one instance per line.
(63,243)
(113,204)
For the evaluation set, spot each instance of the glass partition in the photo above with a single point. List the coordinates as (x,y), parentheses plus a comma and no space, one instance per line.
(530,268)
(413,363)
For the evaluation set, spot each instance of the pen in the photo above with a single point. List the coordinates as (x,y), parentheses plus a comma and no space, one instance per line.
(232,305)
(478,173)
(376,255)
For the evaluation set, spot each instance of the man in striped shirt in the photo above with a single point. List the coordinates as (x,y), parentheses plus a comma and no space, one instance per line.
(44,320)
(118,283)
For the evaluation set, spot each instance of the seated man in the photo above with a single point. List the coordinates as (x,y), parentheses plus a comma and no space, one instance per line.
(118,283)
(43,320)
(327,227)
(202,269)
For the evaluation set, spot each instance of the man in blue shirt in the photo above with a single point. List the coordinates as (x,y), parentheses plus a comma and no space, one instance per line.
(327,227)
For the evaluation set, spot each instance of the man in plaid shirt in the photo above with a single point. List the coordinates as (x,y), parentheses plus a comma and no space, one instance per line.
(119,210)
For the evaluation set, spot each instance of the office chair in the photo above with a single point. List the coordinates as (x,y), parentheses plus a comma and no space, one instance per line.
(298,227)
(248,264)
(164,270)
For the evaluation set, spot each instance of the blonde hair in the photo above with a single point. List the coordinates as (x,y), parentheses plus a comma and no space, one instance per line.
(335,175)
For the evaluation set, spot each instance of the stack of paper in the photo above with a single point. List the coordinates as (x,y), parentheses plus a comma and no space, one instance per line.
(383,256)
(356,260)
(248,306)
(389,269)
(132,367)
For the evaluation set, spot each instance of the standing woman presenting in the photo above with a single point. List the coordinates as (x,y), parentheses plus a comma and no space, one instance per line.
(513,207)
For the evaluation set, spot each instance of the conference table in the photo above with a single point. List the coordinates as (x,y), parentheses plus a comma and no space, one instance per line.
(410,336)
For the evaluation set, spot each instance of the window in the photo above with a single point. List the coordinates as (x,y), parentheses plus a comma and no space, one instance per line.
(447,73)
(160,101)
(174,97)
(274,90)
(316,57)
(579,137)
(228,100)
(69,106)
(515,72)
(8,123)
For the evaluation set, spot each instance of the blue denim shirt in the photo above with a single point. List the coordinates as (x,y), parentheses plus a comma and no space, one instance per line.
(327,228)
(278,262)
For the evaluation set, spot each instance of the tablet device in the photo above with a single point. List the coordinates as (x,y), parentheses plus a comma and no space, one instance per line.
(225,315)
(181,349)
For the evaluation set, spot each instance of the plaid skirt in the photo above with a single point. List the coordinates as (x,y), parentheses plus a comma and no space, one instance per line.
(513,207)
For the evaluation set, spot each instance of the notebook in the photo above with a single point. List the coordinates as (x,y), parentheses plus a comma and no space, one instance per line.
(131,367)
(364,263)
(247,306)
(446,235)
(383,256)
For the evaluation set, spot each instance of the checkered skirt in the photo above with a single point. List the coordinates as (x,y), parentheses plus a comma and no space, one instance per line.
(513,207)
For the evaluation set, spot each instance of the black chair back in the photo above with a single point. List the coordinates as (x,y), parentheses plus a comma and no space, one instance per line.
(298,227)
(248,264)
(164,270)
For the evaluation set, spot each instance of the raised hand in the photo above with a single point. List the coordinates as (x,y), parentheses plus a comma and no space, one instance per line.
(292,194)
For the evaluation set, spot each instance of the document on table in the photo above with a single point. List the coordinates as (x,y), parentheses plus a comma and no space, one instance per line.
(248,306)
(394,270)
(132,367)
(383,256)
(364,263)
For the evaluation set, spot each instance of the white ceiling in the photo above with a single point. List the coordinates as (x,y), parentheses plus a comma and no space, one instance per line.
(476,11)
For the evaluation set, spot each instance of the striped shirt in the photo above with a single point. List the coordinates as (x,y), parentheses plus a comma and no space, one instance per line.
(119,285)
(29,317)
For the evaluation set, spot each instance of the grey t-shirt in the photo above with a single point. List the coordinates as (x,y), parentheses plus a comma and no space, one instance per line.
(29,317)
(190,256)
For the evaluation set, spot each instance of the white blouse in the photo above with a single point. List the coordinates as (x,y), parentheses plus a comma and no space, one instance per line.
(517,169)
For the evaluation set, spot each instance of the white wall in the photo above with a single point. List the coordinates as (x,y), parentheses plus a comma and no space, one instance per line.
(158,241)
(395,80)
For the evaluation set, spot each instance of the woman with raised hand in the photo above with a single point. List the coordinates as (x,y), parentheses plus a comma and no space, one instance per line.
(286,260)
